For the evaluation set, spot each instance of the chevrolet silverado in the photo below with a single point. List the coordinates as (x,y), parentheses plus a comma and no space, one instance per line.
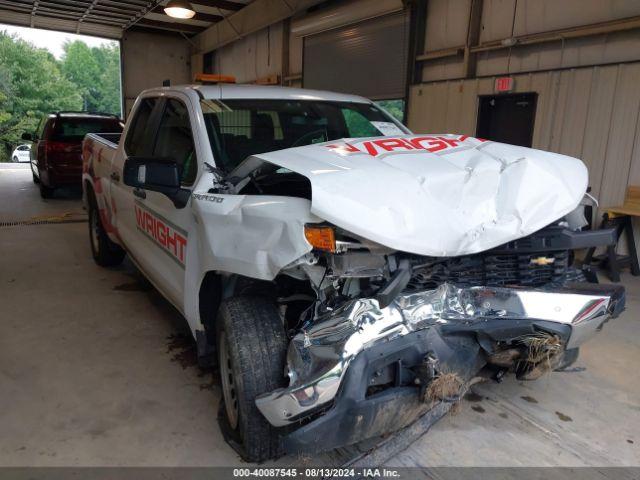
(344,274)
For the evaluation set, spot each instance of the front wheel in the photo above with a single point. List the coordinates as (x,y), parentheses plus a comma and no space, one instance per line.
(105,252)
(15,159)
(569,357)
(252,347)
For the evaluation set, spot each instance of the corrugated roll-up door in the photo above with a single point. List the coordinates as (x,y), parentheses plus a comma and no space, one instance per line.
(368,58)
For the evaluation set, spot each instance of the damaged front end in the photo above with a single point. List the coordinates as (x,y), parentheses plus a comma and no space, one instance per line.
(390,338)
(418,263)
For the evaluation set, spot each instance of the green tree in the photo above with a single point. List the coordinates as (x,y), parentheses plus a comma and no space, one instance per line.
(31,85)
(80,66)
(109,82)
(96,72)
(394,107)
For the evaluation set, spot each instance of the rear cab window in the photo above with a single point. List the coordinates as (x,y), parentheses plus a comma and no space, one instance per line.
(73,129)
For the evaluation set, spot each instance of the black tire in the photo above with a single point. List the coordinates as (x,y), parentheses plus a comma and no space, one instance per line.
(250,331)
(105,252)
(46,192)
(569,357)
(36,180)
(15,159)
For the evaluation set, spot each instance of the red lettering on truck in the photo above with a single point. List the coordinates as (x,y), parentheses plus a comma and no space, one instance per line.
(429,143)
(171,239)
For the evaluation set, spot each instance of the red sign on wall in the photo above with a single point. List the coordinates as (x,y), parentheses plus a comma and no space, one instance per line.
(504,84)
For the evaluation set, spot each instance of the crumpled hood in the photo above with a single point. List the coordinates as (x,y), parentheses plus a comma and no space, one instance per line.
(437,195)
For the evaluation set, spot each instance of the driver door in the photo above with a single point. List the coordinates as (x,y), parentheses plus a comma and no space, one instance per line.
(162,228)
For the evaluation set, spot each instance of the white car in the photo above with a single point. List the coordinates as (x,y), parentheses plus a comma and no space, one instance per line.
(21,154)
(346,273)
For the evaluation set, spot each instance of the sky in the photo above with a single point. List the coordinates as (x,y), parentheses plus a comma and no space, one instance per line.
(52,41)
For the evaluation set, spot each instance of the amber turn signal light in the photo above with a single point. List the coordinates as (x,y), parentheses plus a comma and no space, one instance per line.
(322,238)
(212,79)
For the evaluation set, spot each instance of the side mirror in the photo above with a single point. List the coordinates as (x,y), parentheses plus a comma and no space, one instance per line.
(157,175)
(27,136)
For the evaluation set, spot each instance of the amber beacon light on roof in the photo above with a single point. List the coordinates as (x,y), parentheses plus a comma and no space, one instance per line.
(212,79)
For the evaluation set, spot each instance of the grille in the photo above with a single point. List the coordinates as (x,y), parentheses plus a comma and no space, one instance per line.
(495,270)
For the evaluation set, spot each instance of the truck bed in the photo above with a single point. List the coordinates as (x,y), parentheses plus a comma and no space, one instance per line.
(98,150)
(108,139)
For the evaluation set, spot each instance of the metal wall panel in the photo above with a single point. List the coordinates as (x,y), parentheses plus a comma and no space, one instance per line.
(368,58)
(252,57)
(447,22)
(624,121)
(535,16)
(497,19)
(596,132)
(590,113)
(572,53)
(150,58)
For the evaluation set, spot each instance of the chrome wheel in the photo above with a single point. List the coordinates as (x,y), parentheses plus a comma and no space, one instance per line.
(228,385)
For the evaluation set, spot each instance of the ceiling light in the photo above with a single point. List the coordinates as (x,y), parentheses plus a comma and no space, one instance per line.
(179,9)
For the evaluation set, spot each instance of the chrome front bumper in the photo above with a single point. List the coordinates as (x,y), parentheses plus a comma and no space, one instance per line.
(319,357)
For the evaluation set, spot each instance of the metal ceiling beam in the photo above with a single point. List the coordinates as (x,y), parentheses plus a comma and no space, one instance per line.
(17,16)
(224,4)
(138,16)
(109,13)
(33,11)
(6,6)
(175,26)
(16,8)
(76,4)
(253,17)
(87,12)
(124,5)
(129,3)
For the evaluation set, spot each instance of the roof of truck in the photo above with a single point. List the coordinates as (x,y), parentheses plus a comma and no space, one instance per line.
(227,91)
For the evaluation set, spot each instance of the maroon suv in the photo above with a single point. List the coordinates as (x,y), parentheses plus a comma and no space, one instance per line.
(56,155)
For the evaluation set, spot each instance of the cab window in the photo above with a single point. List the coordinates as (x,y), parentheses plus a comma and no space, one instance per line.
(174,140)
(135,144)
(357,124)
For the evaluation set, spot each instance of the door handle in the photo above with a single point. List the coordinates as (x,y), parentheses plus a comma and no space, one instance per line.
(138,192)
(115,177)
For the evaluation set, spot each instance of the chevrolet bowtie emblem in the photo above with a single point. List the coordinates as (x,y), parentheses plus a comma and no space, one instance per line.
(542,261)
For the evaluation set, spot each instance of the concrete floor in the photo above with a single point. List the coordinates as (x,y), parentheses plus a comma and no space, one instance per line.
(97,369)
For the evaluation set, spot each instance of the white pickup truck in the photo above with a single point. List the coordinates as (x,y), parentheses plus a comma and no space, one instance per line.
(345,274)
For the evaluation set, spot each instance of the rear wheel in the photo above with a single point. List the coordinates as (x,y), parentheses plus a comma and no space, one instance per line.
(104,251)
(252,347)
(46,192)
(15,159)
